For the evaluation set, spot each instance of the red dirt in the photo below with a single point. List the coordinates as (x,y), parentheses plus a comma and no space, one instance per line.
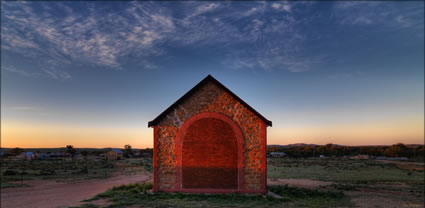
(47,193)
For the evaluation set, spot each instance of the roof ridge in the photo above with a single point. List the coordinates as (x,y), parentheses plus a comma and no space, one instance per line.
(191,91)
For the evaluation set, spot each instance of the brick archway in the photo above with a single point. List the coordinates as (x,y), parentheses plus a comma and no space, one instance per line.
(209,155)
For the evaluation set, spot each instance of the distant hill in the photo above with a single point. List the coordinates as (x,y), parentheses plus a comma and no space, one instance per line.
(43,150)
(292,145)
(316,145)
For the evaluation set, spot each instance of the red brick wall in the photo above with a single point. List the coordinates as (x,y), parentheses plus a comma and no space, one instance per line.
(211,98)
(209,155)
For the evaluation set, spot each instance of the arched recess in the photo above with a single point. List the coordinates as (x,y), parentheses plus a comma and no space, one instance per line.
(210,155)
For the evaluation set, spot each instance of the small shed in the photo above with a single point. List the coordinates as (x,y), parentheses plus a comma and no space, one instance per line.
(26,156)
(278,154)
(114,154)
(210,141)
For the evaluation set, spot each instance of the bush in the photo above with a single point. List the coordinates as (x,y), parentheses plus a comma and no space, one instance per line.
(84,170)
(47,172)
(109,165)
(10,172)
(292,193)
(133,188)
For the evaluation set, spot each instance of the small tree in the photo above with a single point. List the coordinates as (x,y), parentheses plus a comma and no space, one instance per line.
(127,150)
(393,151)
(15,151)
(71,150)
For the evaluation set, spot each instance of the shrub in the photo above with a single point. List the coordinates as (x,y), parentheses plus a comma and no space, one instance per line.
(84,170)
(109,165)
(10,172)
(300,193)
(47,172)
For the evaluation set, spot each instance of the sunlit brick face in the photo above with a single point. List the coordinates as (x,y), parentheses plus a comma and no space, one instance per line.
(210,142)
(209,155)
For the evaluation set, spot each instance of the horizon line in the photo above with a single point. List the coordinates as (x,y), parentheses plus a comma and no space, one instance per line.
(152,147)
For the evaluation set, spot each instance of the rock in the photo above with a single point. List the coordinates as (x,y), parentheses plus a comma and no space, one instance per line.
(273,195)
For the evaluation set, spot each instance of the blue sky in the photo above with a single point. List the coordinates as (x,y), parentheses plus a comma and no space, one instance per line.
(343,72)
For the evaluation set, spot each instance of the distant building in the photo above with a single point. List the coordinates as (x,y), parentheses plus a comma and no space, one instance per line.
(380,158)
(278,154)
(146,154)
(137,154)
(26,156)
(59,155)
(114,154)
(361,157)
(42,156)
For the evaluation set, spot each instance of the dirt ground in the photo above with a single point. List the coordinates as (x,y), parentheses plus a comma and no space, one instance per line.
(387,199)
(364,198)
(48,193)
(303,183)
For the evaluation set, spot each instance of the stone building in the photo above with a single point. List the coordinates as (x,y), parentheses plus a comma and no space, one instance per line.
(210,141)
(114,154)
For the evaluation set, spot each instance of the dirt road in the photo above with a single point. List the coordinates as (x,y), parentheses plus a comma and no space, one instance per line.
(53,194)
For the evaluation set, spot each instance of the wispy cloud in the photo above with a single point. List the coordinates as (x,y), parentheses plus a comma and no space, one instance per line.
(403,21)
(20,72)
(23,108)
(142,30)
(282,6)
(340,76)
(252,11)
(389,14)
(205,8)
(82,38)
(98,36)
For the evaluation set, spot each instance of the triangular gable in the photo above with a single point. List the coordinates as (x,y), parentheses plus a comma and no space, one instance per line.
(198,86)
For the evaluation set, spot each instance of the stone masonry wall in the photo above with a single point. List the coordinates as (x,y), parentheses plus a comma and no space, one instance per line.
(211,98)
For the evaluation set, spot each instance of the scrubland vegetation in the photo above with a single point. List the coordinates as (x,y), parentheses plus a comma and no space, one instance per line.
(15,172)
(139,195)
(413,152)
(351,183)
(332,181)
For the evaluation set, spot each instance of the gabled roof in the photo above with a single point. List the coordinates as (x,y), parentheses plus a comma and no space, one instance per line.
(116,150)
(198,86)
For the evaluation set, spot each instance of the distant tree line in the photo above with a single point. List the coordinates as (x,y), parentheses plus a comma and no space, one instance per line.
(396,150)
(69,149)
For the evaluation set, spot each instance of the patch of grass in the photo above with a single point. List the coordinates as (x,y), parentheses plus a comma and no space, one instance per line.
(77,169)
(311,197)
(340,171)
(138,195)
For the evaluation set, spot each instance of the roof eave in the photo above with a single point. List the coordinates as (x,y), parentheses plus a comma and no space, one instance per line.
(209,77)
